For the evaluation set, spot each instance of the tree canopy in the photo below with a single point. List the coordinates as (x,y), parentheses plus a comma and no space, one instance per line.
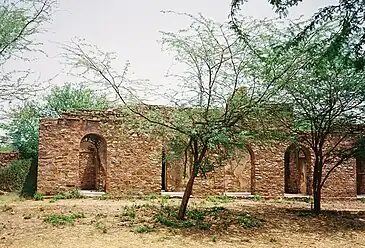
(348,31)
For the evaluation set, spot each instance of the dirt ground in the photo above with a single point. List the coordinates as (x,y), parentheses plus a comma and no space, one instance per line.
(284,224)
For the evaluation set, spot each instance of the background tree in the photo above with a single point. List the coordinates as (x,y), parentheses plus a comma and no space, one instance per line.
(20,21)
(349,31)
(328,97)
(216,93)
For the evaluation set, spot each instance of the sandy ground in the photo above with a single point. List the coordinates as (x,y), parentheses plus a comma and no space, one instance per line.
(22,225)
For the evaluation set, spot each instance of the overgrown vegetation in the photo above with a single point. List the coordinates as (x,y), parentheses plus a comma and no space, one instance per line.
(13,177)
(63,219)
(75,194)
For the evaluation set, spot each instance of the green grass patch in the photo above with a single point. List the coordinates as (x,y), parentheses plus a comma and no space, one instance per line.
(62,219)
(142,229)
(220,199)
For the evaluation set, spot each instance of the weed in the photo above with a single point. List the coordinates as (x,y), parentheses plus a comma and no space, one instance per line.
(38,196)
(204,226)
(362,199)
(257,198)
(220,199)
(195,214)
(62,219)
(166,222)
(187,224)
(248,221)
(101,226)
(142,229)
(214,238)
(152,196)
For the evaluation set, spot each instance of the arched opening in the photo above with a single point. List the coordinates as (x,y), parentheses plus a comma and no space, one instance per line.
(92,163)
(240,172)
(297,165)
(360,165)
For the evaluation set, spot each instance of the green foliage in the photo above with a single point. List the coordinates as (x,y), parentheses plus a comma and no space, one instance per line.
(62,219)
(362,200)
(13,177)
(220,199)
(257,198)
(24,120)
(23,129)
(75,194)
(142,229)
(248,221)
(214,238)
(101,226)
(38,196)
(68,97)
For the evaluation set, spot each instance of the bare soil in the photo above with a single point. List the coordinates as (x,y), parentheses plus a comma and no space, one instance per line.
(106,224)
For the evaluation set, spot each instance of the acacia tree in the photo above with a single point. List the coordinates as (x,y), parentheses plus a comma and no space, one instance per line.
(217,95)
(328,97)
(20,21)
(349,32)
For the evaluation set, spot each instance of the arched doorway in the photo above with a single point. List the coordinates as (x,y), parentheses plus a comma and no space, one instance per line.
(92,163)
(240,172)
(297,165)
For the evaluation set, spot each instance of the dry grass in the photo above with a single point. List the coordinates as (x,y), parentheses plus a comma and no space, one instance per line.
(133,223)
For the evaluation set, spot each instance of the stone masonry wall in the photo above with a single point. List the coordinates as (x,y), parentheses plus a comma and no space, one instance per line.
(134,162)
(7,157)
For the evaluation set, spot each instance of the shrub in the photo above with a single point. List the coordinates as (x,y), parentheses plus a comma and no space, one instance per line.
(62,219)
(248,221)
(142,229)
(13,177)
(101,226)
(38,196)
(362,200)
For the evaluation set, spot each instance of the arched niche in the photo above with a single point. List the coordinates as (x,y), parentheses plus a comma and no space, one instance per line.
(297,170)
(92,162)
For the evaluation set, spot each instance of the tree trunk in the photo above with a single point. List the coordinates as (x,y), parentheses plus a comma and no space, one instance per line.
(317,178)
(198,158)
(186,197)
(317,201)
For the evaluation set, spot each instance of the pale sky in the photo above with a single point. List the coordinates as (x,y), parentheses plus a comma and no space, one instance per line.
(131,30)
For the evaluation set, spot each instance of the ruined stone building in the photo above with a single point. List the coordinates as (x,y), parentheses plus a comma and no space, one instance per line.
(96,151)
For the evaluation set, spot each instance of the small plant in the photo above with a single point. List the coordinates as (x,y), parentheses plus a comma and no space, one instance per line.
(204,226)
(214,238)
(101,226)
(166,222)
(257,198)
(362,199)
(195,214)
(38,196)
(248,221)
(59,196)
(220,199)
(142,229)
(62,219)
(152,196)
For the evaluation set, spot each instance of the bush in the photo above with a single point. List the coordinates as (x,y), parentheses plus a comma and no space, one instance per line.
(142,229)
(62,219)
(38,196)
(13,177)
(248,221)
